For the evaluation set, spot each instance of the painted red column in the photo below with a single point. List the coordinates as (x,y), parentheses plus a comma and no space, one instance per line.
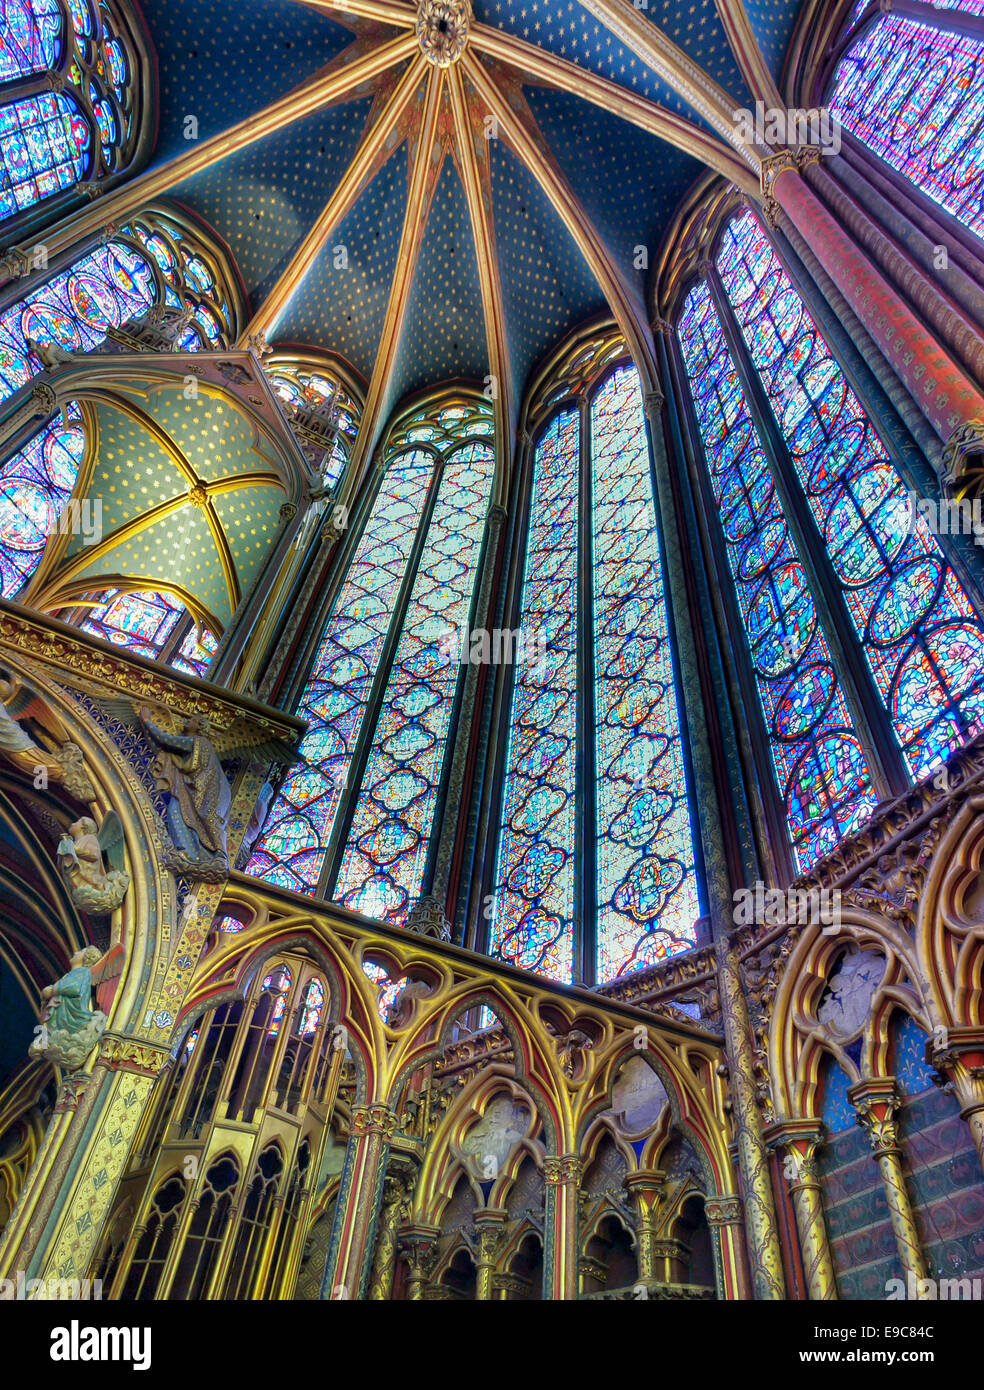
(945,395)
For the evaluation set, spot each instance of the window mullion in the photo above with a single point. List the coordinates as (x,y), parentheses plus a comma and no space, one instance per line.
(889,775)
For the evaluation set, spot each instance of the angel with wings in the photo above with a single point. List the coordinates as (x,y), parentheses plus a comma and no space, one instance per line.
(92,887)
(63,763)
(70,1027)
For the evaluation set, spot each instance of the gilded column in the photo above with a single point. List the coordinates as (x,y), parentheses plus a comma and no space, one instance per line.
(726,1221)
(490,1225)
(958,1057)
(760,1212)
(947,398)
(418,1245)
(394,1212)
(359,1199)
(875,1103)
(799,1140)
(562,1177)
(646,1187)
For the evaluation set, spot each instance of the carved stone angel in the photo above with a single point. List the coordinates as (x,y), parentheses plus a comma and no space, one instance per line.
(92,887)
(70,1027)
(189,772)
(62,764)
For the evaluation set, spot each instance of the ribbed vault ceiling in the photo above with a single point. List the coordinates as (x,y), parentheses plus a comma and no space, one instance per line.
(371,214)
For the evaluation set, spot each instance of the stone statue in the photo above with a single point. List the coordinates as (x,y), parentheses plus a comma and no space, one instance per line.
(188,770)
(63,764)
(92,887)
(70,1027)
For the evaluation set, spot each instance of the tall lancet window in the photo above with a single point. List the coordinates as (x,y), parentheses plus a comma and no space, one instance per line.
(356,823)
(596,873)
(821,505)
(69,99)
(914,94)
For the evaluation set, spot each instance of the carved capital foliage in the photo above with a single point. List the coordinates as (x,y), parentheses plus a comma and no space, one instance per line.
(724,1211)
(568,1168)
(118,1053)
(373,1119)
(875,1104)
(958,1059)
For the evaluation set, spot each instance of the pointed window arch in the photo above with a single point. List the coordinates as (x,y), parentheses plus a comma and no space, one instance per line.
(87,127)
(155,263)
(596,873)
(914,95)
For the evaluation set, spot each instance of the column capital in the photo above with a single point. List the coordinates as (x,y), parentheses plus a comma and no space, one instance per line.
(875,1102)
(773,165)
(963,444)
(373,1119)
(724,1211)
(799,1140)
(957,1055)
(652,404)
(663,327)
(568,1168)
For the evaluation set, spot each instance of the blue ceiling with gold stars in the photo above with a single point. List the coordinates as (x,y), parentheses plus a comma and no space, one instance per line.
(227,60)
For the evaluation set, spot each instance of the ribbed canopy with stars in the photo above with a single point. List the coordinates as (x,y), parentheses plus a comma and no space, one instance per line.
(436,192)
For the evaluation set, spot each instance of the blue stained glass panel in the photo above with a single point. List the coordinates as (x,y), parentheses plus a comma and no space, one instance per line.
(44,146)
(30,37)
(74,310)
(915,96)
(647,888)
(533,908)
(385,856)
(918,629)
(820,768)
(35,486)
(294,843)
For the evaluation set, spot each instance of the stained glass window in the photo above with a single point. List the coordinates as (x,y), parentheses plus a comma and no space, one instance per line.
(921,637)
(915,96)
(44,146)
(294,844)
(35,486)
(389,990)
(74,310)
(190,283)
(532,922)
(644,894)
(647,889)
(310,396)
(154,625)
(48,141)
(386,805)
(30,37)
(820,768)
(383,867)
(278,983)
(314,1002)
